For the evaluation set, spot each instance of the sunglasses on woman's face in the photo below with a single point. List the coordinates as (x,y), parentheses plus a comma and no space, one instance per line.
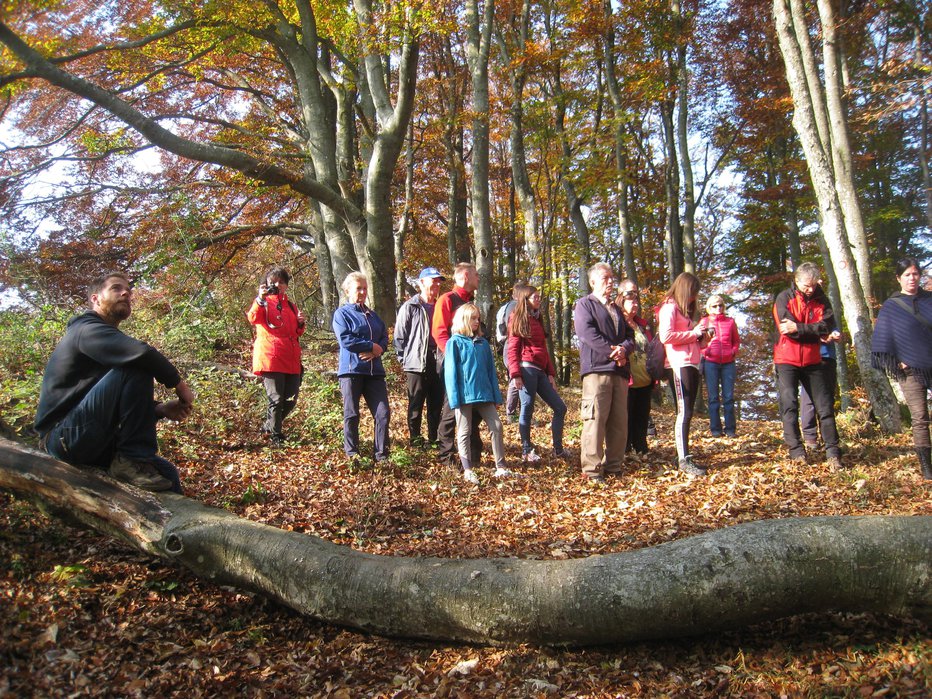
(630,295)
(717,305)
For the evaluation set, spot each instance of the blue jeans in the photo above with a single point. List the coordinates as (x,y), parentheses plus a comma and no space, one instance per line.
(721,375)
(117,416)
(375,391)
(537,383)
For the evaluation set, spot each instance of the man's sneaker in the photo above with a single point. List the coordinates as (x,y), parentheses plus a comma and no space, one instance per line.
(470,476)
(834,463)
(141,474)
(689,467)
(531,457)
(502,472)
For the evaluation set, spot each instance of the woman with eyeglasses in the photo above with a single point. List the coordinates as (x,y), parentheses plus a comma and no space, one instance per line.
(640,385)
(902,347)
(530,367)
(719,366)
(276,353)
(363,338)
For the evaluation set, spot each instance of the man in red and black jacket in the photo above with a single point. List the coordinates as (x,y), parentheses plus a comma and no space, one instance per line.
(803,316)
(465,283)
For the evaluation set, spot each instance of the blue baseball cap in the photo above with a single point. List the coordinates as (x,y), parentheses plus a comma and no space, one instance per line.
(430,273)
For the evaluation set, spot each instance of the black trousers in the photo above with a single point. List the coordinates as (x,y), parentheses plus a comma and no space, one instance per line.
(819,386)
(638,417)
(424,387)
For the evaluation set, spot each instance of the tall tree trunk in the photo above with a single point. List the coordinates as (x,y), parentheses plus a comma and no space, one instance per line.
(391,127)
(674,232)
(407,221)
(479,28)
(621,147)
(854,303)
(512,55)
(682,136)
(714,581)
(842,165)
(924,139)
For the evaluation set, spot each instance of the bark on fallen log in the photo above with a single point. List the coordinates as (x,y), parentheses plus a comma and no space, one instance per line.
(719,580)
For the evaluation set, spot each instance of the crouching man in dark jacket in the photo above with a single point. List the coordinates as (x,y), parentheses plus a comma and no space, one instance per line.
(97,405)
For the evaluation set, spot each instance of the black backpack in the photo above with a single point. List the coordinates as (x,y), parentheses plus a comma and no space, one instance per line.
(656,358)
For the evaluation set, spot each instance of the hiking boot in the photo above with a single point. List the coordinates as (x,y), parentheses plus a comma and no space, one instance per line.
(690,468)
(799,460)
(562,454)
(925,461)
(141,474)
(531,457)
(834,463)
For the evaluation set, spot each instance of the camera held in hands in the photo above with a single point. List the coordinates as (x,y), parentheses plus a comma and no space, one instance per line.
(272,290)
(710,329)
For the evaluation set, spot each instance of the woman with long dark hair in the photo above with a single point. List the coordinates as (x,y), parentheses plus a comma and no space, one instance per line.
(530,366)
(682,339)
(902,347)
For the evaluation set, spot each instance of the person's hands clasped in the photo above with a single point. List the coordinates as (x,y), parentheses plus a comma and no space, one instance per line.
(787,327)
(179,408)
(374,353)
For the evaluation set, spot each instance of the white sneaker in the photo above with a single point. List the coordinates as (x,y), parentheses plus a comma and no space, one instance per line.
(531,457)
(504,472)
(470,476)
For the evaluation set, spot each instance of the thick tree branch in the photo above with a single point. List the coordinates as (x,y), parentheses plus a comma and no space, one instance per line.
(266,172)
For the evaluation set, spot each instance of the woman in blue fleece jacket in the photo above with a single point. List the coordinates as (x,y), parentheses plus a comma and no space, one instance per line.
(472,387)
(363,338)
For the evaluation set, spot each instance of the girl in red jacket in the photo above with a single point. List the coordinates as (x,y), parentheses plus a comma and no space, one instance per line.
(276,354)
(719,365)
(530,366)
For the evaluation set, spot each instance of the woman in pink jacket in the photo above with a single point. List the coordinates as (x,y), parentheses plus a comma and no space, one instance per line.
(682,337)
(719,365)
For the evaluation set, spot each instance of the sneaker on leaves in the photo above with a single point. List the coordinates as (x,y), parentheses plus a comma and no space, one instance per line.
(502,472)
(141,474)
(470,476)
(532,457)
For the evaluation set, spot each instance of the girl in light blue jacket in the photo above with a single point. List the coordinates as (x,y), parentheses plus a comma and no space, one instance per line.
(472,387)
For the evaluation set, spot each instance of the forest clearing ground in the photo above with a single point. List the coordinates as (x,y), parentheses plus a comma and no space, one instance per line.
(84,615)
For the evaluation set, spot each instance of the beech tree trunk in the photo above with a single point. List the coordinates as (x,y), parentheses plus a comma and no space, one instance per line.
(718,580)
(810,121)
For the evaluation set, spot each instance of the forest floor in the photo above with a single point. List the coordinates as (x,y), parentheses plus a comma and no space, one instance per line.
(83,615)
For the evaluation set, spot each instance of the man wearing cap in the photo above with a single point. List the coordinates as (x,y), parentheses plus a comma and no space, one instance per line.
(417,349)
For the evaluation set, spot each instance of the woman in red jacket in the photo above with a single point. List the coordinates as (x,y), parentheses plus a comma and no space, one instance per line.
(719,365)
(530,366)
(276,354)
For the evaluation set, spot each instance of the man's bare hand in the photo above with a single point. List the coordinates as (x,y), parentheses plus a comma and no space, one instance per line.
(787,327)
(184,393)
(173,410)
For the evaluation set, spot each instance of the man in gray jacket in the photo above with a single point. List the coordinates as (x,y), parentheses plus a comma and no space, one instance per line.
(417,354)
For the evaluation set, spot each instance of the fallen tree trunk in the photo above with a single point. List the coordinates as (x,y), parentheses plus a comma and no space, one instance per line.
(719,580)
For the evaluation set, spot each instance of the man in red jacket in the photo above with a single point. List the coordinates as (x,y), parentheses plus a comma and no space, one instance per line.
(803,315)
(465,283)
